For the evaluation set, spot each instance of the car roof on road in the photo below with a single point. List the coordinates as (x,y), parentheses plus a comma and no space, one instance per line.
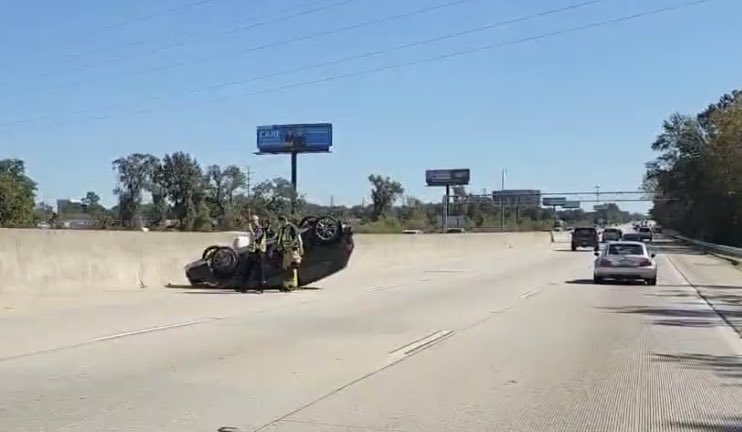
(627,242)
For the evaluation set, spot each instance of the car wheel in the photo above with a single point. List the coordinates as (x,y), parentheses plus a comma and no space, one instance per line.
(223,261)
(209,251)
(574,248)
(308,221)
(652,282)
(598,280)
(327,230)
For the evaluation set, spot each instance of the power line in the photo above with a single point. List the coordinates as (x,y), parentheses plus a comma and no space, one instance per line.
(108,27)
(302,38)
(353,57)
(183,43)
(441,57)
(149,16)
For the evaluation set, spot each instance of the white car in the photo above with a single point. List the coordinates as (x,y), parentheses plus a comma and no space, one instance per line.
(624,260)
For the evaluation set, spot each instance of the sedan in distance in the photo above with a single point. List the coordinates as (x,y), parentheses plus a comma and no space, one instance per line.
(632,236)
(625,260)
(645,233)
(612,234)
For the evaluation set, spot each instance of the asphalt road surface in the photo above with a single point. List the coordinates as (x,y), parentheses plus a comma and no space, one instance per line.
(519,340)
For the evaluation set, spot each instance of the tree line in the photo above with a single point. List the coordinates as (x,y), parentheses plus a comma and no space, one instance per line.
(697,177)
(176,192)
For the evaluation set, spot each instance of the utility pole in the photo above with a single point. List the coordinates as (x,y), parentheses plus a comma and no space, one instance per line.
(502,202)
(248,183)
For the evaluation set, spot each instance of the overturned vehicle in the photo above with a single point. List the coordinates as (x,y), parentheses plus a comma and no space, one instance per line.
(327,242)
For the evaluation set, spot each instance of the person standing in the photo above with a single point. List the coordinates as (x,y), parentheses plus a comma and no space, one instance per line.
(291,249)
(255,271)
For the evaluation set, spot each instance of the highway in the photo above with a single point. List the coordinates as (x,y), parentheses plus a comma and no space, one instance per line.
(512,339)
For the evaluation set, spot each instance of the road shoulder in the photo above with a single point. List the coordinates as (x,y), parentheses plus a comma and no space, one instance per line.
(717,281)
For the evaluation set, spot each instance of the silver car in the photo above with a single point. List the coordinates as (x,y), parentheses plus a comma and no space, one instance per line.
(645,233)
(625,260)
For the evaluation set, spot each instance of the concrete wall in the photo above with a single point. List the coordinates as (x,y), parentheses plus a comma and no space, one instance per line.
(47,261)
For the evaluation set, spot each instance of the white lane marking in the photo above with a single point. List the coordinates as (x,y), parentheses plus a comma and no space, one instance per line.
(415,346)
(528,294)
(151,329)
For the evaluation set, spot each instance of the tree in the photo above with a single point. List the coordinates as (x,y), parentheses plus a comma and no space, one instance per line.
(184,182)
(134,173)
(43,212)
(412,214)
(91,200)
(222,188)
(17,194)
(273,197)
(698,173)
(91,204)
(384,193)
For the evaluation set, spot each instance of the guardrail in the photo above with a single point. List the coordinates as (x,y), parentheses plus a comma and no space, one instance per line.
(711,247)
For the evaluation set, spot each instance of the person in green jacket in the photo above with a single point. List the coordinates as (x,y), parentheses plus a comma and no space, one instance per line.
(255,266)
(291,248)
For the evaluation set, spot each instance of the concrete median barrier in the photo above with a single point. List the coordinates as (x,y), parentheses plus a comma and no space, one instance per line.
(53,261)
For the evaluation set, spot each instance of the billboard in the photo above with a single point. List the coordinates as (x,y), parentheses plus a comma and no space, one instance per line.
(571,204)
(554,201)
(448,177)
(517,197)
(299,138)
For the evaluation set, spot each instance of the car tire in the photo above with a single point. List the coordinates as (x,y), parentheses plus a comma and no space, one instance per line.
(597,280)
(223,261)
(574,248)
(308,221)
(652,282)
(327,230)
(209,251)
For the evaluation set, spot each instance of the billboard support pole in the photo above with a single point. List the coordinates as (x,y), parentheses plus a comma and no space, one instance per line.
(294,139)
(502,204)
(445,208)
(294,190)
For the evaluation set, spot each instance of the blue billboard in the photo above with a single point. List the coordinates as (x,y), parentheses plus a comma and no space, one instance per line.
(299,138)
(447,177)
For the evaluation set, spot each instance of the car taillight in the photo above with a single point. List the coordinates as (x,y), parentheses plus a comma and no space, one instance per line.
(645,262)
(604,263)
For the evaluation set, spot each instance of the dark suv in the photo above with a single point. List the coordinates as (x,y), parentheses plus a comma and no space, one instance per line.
(585,237)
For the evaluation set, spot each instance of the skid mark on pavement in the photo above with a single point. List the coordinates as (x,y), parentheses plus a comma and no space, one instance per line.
(110,337)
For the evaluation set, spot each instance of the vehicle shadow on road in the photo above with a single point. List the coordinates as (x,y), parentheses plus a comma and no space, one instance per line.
(678,317)
(191,287)
(605,282)
(219,291)
(578,250)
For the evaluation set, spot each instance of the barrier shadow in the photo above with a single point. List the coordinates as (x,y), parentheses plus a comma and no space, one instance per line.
(678,316)
(729,367)
(727,424)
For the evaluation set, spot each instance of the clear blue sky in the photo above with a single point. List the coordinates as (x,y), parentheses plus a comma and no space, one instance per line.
(86,81)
